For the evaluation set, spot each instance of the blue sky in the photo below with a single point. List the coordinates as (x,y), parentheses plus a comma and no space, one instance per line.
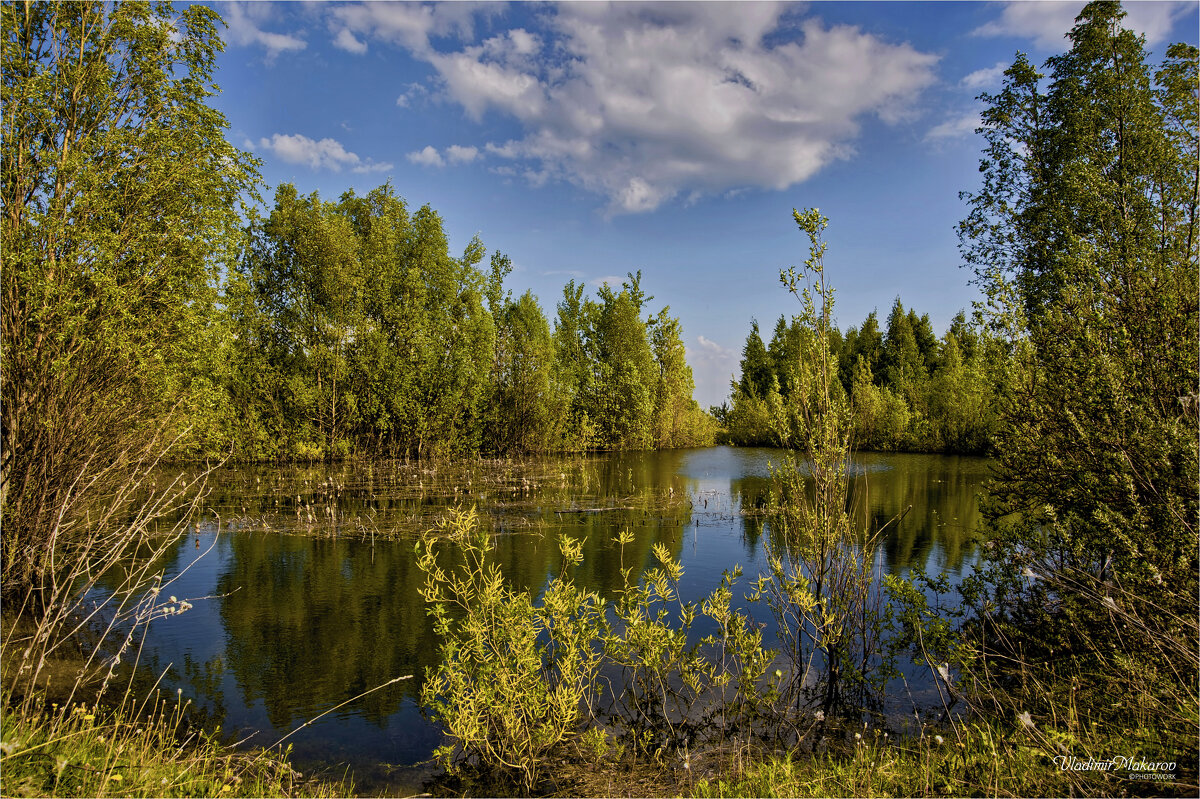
(587,140)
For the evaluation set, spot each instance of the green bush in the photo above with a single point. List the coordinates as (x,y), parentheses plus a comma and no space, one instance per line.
(516,679)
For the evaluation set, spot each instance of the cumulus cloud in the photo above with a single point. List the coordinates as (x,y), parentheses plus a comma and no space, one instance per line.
(323,154)
(410,25)
(427,157)
(641,104)
(345,41)
(461,155)
(244,23)
(1047,23)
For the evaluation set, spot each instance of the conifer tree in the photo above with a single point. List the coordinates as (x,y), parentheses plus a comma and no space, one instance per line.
(756,365)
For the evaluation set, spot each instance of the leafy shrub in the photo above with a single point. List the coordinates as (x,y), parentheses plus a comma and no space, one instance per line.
(515,679)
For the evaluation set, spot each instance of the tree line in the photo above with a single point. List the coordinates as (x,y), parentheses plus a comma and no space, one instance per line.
(353,330)
(908,389)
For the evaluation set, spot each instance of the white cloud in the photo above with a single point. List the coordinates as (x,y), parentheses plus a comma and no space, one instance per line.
(713,348)
(1155,20)
(985,78)
(612,281)
(427,157)
(1047,23)
(370,166)
(409,25)
(461,155)
(572,273)
(323,154)
(244,21)
(345,41)
(411,92)
(641,104)
(956,127)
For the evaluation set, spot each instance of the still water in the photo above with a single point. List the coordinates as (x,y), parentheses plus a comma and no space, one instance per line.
(306,591)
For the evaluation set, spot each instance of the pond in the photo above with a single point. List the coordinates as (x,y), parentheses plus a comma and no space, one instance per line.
(313,591)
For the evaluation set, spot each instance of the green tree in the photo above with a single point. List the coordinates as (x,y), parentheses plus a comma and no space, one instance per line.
(784,354)
(901,360)
(756,365)
(120,204)
(866,342)
(389,324)
(452,355)
(678,420)
(305,271)
(626,379)
(927,343)
(961,402)
(1084,235)
(574,368)
(523,406)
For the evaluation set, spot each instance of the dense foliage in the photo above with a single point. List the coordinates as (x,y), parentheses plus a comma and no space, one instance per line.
(908,390)
(1084,234)
(120,198)
(353,330)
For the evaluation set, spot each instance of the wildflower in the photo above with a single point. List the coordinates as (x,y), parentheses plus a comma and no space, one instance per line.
(858,736)
(1025,719)
(90,717)
(944,672)
(937,739)
(226,788)
(116,778)
(173,599)
(819,715)
(778,673)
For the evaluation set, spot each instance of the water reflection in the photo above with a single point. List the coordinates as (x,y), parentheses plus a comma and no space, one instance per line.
(928,503)
(317,591)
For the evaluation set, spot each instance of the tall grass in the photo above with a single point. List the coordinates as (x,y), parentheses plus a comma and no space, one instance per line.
(144,748)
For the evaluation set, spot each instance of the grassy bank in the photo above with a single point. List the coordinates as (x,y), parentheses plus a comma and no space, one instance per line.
(139,749)
(985,758)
